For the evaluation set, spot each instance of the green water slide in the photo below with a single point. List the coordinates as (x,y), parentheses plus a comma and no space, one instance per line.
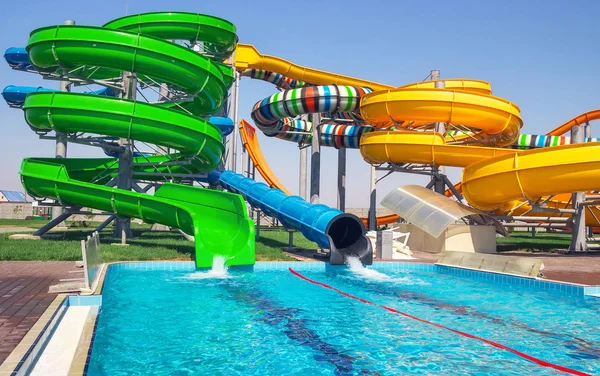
(140,44)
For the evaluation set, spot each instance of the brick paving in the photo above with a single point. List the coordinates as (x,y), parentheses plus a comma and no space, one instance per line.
(24,297)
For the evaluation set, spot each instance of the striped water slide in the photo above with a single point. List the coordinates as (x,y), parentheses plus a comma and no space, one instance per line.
(279,80)
(275,114)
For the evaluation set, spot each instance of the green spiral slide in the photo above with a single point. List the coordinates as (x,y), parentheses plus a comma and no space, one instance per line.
(139,44)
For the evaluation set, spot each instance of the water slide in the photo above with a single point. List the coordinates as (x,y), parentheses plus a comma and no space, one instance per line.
(218,220)
(343,234)
(250,141)
(528,175)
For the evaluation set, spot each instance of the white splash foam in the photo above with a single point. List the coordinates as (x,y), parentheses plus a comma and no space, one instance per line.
(218,270)
(360,271)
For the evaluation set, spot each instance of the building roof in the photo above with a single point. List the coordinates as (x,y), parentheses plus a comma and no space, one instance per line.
(13,196)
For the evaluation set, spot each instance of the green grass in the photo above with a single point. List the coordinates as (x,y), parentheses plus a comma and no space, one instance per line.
(543,242)
(21,223)
(146,245)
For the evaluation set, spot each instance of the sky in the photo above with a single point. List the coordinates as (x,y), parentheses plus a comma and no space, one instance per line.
(541,55)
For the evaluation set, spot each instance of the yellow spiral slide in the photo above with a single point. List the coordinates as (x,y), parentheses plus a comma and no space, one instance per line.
(493,177)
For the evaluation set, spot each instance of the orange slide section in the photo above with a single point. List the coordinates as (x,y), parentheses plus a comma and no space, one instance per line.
(578,120)
(251,145)
(250,141)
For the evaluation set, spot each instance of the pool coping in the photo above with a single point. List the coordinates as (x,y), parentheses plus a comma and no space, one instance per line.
(39,331)
(37,335)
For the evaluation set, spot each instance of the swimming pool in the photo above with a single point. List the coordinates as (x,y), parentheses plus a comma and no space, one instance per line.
(178,322)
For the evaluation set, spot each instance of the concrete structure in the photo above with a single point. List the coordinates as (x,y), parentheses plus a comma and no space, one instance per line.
(15,210)
(383,245)
(457,237)
(522,266)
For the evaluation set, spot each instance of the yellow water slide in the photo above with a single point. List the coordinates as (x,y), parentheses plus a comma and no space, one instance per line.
(493,178)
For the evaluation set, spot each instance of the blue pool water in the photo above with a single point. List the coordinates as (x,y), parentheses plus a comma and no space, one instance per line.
(274,323)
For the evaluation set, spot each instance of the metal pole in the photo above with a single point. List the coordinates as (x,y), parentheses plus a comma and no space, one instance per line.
(235,134)
(125,173)
(578,242)
(249,166)
(163,93)
(106,222)
(588,136)
(303,166)
(341,180)
(439,181)
(372,218)
(302,172)
(257,224)
(315,161)
(244,160)
(61,142)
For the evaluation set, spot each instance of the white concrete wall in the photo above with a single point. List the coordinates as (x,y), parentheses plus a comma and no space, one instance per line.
(462,238)
(15,210)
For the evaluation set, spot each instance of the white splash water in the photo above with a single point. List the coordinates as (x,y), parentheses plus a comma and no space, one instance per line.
(218,270)
(358,269)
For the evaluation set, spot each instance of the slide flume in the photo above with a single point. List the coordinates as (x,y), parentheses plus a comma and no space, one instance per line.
(250,141)
(219,221)
(520,174)
(342,233)
(465,102)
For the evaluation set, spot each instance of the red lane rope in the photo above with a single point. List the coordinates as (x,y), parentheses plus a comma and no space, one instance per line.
(540,362)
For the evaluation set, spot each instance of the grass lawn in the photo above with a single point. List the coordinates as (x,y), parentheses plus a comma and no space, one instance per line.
(543,242)
(21,223)
(146,245)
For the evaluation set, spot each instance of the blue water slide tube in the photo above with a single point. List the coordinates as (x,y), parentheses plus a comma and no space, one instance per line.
(15,95)
(17,58)
(342,233)
(225,124)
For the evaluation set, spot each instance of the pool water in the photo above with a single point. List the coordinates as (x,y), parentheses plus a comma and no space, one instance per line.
(275,323)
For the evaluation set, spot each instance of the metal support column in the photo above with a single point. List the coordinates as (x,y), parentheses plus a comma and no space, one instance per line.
(257,224)
(439,184)
(125,173)
(61,145)
(315,161)
(588,136)
(303,171)
(245,159)
(106,222)
(232,152)
(372,218)
(578,241)
(341,180)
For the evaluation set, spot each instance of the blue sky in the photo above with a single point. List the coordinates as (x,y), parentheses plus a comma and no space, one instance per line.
(541,55)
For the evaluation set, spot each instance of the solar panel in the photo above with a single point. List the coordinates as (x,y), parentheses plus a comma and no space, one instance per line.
(13,196)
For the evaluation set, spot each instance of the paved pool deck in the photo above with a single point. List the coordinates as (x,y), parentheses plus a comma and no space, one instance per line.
(24,297)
